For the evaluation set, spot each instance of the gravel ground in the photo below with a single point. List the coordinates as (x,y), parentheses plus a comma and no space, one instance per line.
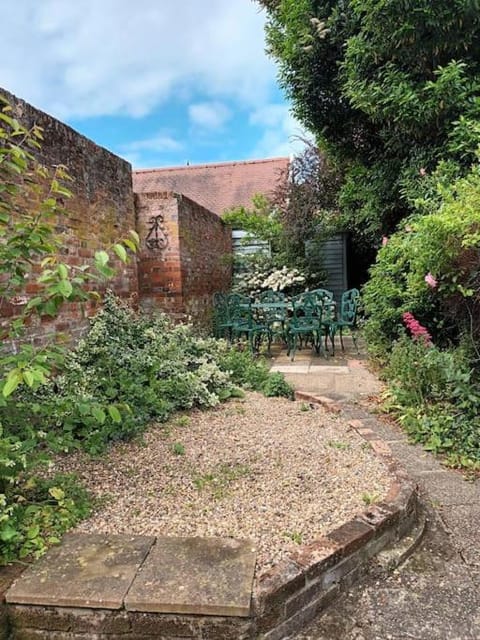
(268,469)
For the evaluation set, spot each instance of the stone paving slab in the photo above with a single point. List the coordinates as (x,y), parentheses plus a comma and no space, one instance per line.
(210,576)
(450,489)
(290,368)
(462,522)
(93,571)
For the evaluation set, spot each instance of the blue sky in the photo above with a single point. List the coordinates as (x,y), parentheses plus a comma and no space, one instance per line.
(159,82)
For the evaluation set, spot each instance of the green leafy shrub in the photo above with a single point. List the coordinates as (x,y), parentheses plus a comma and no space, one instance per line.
(436,396)
(128,370)
(276,385)
(252,373)
(40,515)
(443,244)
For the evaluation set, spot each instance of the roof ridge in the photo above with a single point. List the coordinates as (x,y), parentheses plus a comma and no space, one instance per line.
(212,164)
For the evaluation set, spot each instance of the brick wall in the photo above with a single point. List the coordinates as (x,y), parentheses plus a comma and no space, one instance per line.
(182,258)
(205,252)
(159,274)
(101,211)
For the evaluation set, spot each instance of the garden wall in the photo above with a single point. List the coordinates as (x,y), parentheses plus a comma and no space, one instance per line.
(100,211)
(183,257)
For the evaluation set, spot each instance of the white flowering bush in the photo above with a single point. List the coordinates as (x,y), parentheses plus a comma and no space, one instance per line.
(284,279)
(261,276)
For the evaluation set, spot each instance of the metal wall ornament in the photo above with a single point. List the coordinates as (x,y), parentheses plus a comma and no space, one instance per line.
(157,239)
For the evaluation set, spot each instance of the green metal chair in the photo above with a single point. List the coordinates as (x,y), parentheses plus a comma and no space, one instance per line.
(272,311)
(347,316)
(225,306)
(322,294)
(328,322)
(244,322)
(305,321)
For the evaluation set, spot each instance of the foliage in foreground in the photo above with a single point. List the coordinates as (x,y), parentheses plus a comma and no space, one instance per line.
(129,370)
(427,278)
(34,513)
(436,396)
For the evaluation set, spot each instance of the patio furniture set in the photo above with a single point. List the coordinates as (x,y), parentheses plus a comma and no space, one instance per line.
(312,317)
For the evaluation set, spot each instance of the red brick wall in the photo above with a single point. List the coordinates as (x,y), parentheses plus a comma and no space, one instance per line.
(180,263)
(159,274)
(205,257)
(101,211)
(181,276)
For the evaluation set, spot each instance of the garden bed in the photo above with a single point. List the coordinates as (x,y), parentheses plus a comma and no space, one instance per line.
(277,472)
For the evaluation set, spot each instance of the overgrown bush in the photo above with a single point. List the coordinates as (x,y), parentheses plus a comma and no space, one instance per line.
(436,395)
(430,267)
(428,273)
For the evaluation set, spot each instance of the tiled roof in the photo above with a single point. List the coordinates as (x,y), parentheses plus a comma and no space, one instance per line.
(215,186)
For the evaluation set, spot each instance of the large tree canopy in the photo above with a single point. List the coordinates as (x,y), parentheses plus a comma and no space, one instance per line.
(390,87)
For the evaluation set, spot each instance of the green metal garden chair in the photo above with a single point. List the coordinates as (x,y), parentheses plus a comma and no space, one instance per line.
(272,311)
(322,294)
(305,322)
(245,323)
(347,316)
(328,322)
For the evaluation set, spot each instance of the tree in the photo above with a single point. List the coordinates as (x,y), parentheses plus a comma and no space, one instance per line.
(389,88)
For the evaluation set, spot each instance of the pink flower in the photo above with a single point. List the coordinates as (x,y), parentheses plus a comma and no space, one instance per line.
(418,331)
(384,241)
(423,172)
(431,280)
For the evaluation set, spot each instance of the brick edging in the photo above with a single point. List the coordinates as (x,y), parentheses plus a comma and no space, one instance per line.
(295,591)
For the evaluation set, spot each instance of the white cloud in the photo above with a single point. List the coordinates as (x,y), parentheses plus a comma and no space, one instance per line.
(281,133)
(158,143)
(109,57)
(209,115)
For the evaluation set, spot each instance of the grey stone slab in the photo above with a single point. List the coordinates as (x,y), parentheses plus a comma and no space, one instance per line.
(450,489)
(290,368)
(328,369)
(93,571)
(415,460)
(462,521)
(209,576)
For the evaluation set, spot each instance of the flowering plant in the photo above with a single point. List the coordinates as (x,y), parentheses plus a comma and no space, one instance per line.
(261,277)
(418,331)
(431,280)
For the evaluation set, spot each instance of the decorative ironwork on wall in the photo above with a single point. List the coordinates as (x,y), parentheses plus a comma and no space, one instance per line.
(157,239)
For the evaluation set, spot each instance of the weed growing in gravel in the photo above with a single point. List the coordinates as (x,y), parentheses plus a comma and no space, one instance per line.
(304,406)
(182,421)
(337,444)
(294,536)
(369,498)
(220,478)
(178,449)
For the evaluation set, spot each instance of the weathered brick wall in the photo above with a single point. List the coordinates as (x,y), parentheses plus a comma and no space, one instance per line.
(159,274)
(205,258)
(182,260)
(101,211)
